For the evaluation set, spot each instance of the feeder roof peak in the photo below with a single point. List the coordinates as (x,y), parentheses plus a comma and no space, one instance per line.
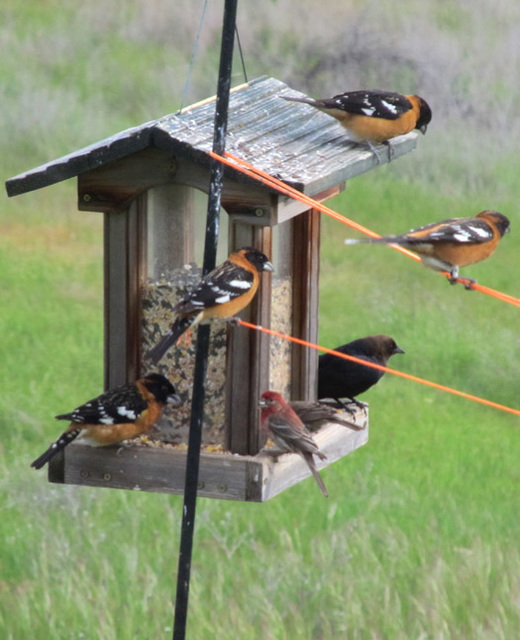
(299,145)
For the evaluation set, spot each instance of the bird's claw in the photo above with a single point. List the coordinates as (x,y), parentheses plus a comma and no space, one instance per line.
(347,406)
(374,151)
(468,283)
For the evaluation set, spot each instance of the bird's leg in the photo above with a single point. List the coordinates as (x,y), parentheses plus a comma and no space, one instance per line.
(122,447)
(341,405)
(358,403)
(454,278)
(233,321)
(374,151)
(390,146)
(345,406)
(273,453)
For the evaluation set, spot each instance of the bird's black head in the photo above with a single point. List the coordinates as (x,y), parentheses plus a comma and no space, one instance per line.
(425,115)
(499,220)
(162,389)
(260,260)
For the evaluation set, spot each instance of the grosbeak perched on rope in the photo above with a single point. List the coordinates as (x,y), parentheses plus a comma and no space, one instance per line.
(316,414)
(341,378)
(222,293)
(118,414)
(453,243)
(374,116)
(284,427)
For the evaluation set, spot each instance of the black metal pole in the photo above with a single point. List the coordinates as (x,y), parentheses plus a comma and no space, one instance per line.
(201,357)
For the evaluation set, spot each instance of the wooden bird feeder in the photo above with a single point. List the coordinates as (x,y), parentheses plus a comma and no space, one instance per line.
(145,181)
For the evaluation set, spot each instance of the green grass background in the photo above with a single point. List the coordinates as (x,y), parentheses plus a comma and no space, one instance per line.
(419,539)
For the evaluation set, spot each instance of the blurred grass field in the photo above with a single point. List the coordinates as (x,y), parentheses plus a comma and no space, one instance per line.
(419,539)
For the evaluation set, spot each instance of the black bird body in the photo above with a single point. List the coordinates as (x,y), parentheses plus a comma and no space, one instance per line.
(341,378)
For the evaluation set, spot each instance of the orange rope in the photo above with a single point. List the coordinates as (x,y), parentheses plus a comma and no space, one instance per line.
(257,174)
(365,363)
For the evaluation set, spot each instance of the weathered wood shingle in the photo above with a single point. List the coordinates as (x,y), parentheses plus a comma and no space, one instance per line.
(295,142)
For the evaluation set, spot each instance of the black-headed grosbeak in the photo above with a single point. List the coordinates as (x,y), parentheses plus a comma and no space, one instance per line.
(340,378)
(222,293)
(374,116)
(280,423)
(118,414)
(453,243)
(316,414)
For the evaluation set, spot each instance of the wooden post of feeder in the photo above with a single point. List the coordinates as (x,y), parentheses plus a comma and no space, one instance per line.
(129,192)
(248,352)
(305,303)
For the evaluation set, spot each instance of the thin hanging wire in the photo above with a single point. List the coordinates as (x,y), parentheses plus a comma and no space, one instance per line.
(241,54)
(193,56)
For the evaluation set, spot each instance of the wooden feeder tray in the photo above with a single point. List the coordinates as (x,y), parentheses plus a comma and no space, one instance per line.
(221,475)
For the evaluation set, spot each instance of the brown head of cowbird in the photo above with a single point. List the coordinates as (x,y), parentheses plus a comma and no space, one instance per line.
(341,378)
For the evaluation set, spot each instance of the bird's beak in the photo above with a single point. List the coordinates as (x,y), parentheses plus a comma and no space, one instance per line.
(423,129)
(268,266)
(262,403)
(398,350)
(174,399)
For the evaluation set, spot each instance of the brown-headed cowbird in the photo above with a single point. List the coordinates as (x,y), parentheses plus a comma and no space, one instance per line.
(341,378)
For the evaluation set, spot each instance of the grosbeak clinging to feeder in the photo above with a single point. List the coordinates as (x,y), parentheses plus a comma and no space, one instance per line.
(341,378)
(280,423)
(118,414)
(222,293)
(375,116)
(453,243)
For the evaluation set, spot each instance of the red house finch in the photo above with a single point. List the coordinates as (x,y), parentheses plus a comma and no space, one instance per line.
(281,423)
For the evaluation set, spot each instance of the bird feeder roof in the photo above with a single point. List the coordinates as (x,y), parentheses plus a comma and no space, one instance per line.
(292,141)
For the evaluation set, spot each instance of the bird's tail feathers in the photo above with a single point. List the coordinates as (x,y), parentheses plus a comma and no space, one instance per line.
(347,423)
(320,455)
(312,466)
(383,240)
(60,444)
(313,103)
(156,354)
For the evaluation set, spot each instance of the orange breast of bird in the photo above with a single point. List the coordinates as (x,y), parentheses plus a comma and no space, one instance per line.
(464,255)
(376,129)
(105,434)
